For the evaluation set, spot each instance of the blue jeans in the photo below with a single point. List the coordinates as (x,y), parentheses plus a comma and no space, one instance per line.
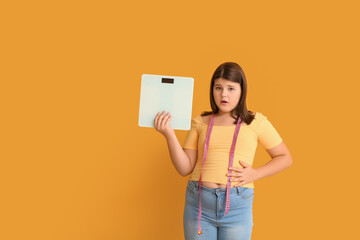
(236,225)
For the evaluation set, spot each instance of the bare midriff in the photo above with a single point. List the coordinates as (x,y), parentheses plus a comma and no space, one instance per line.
(213,185)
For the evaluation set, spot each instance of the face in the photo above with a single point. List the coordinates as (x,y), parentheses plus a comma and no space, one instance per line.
(225,90)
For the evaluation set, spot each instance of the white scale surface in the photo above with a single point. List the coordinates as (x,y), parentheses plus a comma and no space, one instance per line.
(166,93)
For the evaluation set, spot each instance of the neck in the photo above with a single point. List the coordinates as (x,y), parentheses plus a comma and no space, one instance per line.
(223,114)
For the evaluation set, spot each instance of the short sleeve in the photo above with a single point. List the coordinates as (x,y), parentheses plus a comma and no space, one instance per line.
(191,140)
(268,135)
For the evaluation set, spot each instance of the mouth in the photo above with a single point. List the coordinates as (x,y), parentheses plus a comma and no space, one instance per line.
(224,102)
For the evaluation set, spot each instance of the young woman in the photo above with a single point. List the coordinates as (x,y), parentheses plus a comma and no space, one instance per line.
(218,153)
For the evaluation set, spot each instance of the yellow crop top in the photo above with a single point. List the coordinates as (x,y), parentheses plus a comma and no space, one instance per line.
(217,160)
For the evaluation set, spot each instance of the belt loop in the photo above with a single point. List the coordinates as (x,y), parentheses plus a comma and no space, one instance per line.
(192,185)
(239,190)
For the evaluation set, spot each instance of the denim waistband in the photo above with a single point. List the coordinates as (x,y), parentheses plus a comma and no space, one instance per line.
(195,185)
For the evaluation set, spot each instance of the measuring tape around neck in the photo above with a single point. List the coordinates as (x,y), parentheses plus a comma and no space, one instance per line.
(231,160)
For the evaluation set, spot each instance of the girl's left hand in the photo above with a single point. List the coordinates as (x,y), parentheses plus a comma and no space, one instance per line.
(243,175)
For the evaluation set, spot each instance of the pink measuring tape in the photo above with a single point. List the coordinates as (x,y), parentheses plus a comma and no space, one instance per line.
(228,186)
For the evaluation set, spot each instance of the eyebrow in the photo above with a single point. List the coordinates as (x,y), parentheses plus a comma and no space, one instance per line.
(226,85)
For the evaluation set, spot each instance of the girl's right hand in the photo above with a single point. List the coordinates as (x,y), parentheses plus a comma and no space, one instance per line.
(162,124)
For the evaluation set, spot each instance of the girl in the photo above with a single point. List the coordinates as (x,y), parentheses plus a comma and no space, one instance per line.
(227,176)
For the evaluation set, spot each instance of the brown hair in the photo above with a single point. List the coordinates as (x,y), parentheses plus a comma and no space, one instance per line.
(233,72)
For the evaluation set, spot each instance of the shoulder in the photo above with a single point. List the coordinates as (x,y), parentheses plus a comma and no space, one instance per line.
(261,123)
(204,120)
(197,120)
(257,121)
(259,116)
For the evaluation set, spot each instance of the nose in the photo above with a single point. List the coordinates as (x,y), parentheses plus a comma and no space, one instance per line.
(223,93)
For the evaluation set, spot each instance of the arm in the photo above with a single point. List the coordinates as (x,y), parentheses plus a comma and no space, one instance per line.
(182,159)
(280,157)
(280,160)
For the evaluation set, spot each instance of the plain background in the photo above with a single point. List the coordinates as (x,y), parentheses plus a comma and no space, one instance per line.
(74,162)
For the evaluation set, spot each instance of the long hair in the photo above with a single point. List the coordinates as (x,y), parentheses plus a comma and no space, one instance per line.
(233,72)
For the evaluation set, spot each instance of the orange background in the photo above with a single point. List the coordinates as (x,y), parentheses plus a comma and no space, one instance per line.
(74,162)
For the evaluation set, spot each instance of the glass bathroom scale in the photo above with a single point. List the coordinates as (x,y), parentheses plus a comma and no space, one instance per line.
(166,93)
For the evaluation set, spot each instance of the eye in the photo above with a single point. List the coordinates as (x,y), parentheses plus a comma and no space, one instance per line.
(232,88)
(217,87)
